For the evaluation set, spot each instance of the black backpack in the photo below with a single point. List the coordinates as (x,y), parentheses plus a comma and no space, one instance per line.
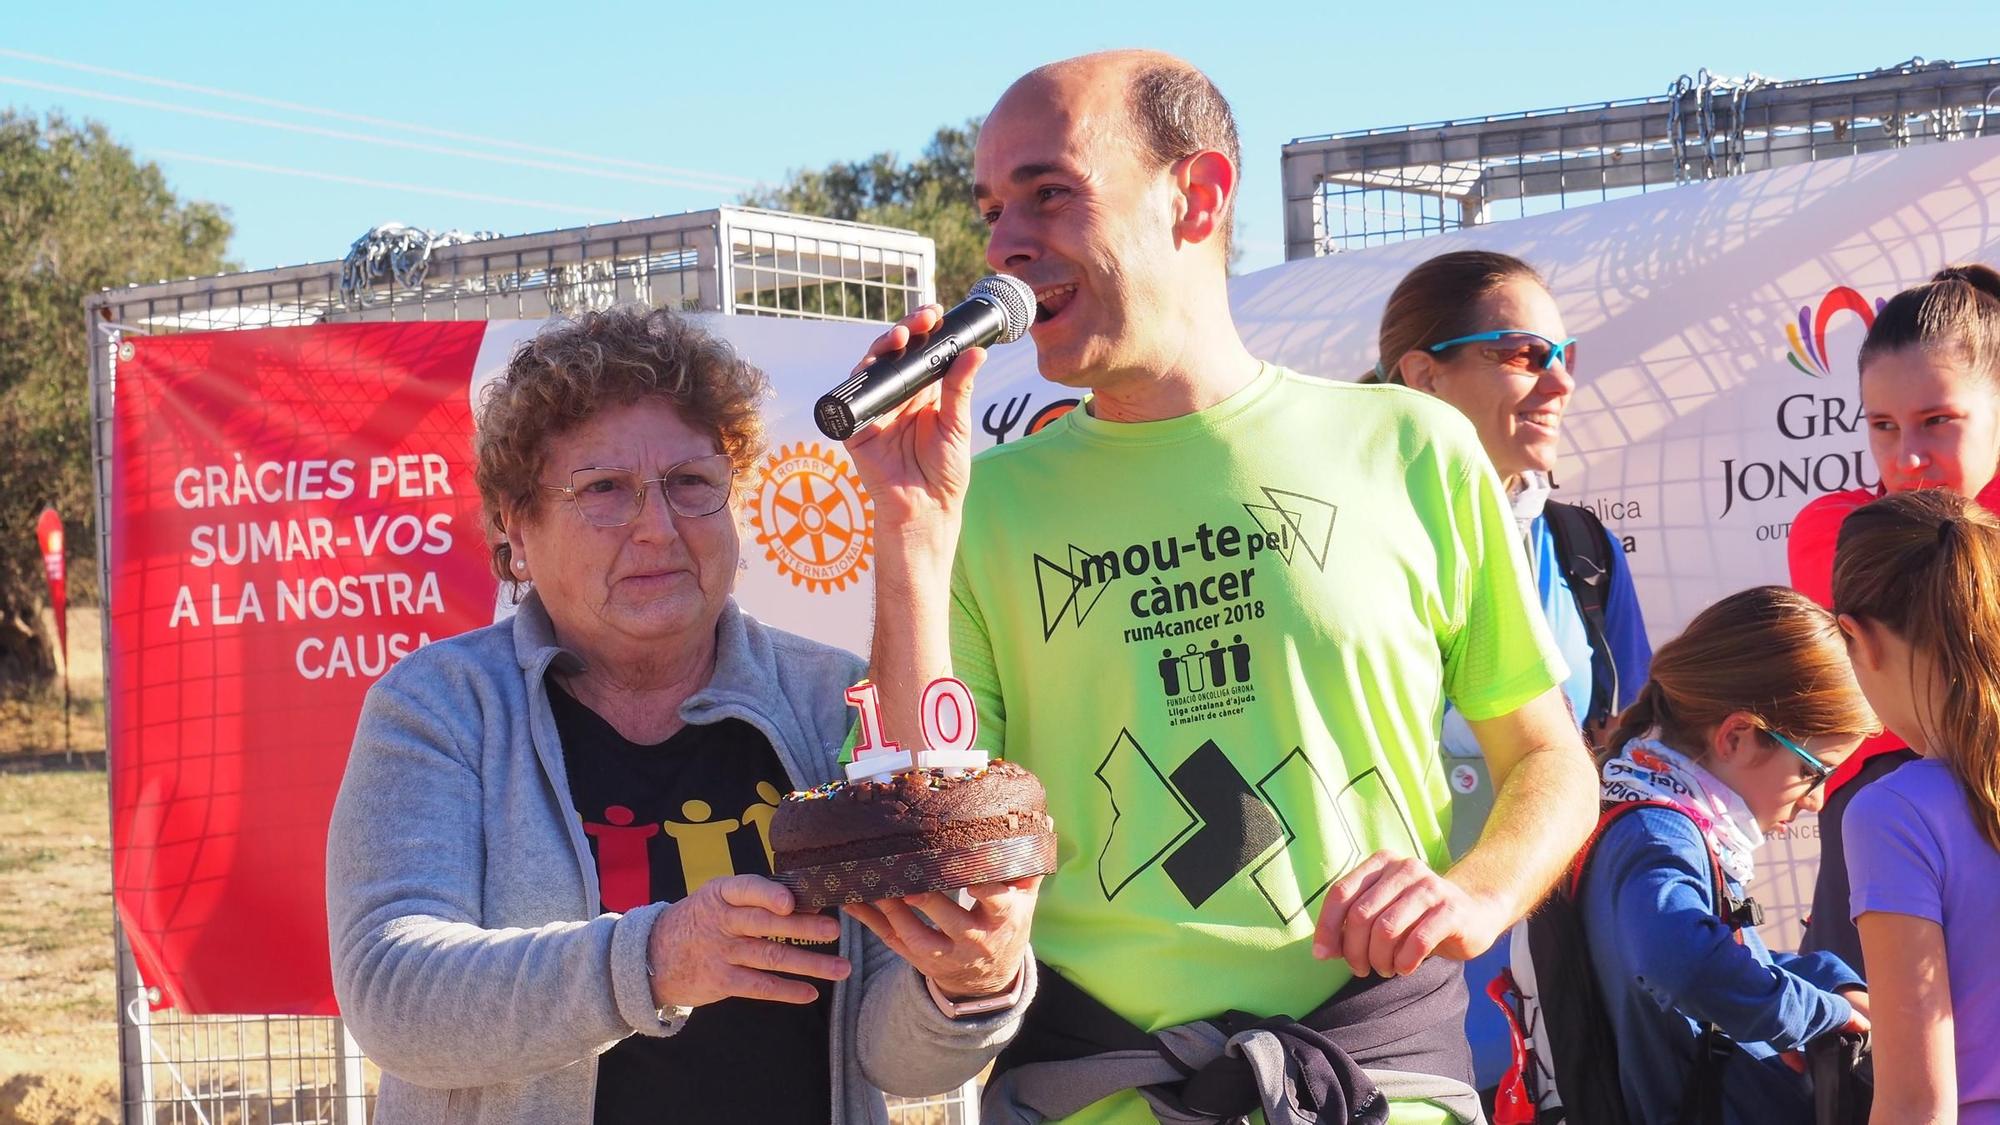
(1566,1054)
(1584,553)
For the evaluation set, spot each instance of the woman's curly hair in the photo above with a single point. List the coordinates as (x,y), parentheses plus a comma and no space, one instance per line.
(576,369)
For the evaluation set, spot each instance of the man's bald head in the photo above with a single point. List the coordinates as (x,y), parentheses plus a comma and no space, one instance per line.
(1162,104)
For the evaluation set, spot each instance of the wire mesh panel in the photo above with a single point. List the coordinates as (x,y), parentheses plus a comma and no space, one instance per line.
(1347,191)
(245,1070)
(783,265)
(280,1070)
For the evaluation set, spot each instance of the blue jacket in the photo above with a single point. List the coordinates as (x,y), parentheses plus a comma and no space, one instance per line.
(1667,964)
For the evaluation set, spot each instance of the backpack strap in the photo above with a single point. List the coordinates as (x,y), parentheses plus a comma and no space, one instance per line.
(1714,1048)
(1584,554)
(1736,913)
(1607,815)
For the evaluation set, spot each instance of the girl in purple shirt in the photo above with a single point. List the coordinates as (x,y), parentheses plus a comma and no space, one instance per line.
(1916,584)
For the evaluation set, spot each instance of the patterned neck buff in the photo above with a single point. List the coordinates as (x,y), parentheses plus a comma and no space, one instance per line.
(1649,770)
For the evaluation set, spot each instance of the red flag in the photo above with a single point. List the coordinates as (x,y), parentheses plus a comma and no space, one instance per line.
(49,533)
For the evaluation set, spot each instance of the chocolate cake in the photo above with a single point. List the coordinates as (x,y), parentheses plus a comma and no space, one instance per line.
(919,830)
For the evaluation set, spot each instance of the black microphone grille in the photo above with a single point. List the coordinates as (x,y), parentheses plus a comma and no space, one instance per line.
(1014,298)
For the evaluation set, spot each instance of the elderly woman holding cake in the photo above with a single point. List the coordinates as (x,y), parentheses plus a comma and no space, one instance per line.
(548,868)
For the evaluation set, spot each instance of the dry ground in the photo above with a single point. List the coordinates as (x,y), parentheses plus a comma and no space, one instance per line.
(31,723)
(58,1027)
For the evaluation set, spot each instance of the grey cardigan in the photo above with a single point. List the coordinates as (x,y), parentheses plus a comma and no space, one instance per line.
(469,956)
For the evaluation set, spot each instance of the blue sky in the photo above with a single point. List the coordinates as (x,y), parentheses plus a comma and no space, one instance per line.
(685,105)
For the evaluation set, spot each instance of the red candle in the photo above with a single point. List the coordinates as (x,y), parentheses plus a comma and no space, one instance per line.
(950,723)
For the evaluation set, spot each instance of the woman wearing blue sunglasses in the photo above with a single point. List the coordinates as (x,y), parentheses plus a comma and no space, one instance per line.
(1479,330)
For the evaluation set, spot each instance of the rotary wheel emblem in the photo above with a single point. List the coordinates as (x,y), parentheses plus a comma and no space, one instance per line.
(812,518)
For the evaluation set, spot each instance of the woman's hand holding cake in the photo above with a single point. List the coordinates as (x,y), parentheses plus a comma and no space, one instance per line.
(732,937)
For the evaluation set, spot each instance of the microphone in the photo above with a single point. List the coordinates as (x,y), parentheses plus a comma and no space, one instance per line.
(997,311)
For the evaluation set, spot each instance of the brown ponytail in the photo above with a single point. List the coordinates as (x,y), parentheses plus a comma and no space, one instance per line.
(1439,300)
(1647,712)
(1767,651)
(1957,310)
(1926,565)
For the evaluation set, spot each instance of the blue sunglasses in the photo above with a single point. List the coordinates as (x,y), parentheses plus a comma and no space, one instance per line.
(1820,770)
(1508,345)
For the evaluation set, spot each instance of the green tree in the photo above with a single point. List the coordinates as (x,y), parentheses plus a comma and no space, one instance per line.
(930,195)
(78,213)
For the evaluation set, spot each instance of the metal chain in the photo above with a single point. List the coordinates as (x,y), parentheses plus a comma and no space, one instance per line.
(1722,151)
(1677,125)
(1691,118)
(1897,126)
(583,286)
(397,253)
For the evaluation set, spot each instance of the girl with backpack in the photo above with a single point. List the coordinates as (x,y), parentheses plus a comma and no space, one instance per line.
(1917,584)
(1743,717)
(1930,394)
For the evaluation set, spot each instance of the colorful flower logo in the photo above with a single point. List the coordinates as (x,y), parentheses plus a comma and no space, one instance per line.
(1808,337)
(812,517)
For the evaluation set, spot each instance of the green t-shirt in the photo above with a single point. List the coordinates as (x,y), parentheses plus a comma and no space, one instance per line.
(1224,642)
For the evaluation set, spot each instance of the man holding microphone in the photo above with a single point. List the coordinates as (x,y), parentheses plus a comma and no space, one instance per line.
(1218,609)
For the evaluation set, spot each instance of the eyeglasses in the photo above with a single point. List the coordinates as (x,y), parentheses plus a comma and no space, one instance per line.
(611,497)
(1517,348)
(1819,770)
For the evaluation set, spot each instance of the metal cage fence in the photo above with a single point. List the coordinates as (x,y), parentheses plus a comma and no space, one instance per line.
(1369,187)
(292,1070)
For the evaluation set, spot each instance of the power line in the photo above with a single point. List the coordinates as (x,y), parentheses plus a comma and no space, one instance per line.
(730,182)
(360,138)
(358,181)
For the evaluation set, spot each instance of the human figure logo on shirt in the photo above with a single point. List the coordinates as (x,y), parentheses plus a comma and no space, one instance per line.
(1197,669)
(669,859)
(1200,684)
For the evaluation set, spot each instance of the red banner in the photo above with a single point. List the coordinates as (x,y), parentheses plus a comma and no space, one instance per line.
(292,511)
(49,536)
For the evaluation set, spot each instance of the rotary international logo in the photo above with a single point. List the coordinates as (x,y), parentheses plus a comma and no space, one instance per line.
(812,518)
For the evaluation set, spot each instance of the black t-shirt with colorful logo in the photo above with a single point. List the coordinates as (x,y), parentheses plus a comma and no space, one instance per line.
(662,820)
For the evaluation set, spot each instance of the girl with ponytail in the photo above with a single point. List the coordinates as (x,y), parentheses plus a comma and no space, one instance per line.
(1916,583)
(1741,720)
(1930,394)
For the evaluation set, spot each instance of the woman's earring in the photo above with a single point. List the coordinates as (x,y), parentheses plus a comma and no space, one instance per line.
(521,565)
